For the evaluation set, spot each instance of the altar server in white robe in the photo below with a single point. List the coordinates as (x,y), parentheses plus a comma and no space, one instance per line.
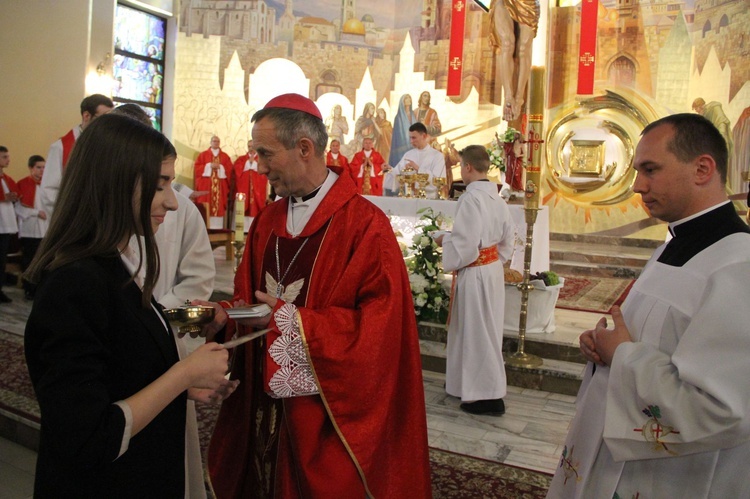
(664,408)
(482,239)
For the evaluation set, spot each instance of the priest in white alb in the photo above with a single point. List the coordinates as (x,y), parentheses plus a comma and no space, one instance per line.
(482,239)
(664,408)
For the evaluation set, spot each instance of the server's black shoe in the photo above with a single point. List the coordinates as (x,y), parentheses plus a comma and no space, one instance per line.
(494,407)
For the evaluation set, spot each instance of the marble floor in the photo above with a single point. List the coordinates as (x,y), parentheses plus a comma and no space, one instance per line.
(530,434)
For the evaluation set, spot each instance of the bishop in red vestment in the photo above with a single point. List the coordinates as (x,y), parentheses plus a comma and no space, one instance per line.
(212,169)
(250,182)
(367,168)
(331,401)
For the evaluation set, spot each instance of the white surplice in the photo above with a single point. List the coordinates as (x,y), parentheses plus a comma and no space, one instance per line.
(475,369)
(671,417)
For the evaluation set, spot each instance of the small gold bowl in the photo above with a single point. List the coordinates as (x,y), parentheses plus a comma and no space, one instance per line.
(189,319)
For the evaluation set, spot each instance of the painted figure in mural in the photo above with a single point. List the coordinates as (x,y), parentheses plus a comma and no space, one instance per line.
(505,16)
(383,146)
(336,124)
(365,127)
(428,116)
(664,392)
(212,169)
(715,114)
(514,154)
(400,140)
(741,137)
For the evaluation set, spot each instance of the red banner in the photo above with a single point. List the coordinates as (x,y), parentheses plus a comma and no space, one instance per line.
(456,52)
(587,50)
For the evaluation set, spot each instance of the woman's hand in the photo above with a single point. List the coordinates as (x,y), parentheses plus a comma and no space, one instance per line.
(207,366)
(216,396)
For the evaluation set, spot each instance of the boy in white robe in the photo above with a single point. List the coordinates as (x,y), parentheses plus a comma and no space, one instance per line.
(664,409)
(482,239)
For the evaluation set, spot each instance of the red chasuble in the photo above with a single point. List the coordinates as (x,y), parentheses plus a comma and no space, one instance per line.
(376,179)
(365,434)
(218,188)
(248,181)
(341,161)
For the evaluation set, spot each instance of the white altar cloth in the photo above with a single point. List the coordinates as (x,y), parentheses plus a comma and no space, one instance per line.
(404,217)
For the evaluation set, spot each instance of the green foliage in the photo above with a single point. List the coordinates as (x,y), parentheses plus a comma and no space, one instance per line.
(549,277)
(425,271)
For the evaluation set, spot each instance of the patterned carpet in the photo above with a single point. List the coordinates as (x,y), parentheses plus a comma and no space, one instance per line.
(593,294)
(453,475)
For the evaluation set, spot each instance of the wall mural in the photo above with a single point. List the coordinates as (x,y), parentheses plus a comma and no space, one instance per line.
(363,61)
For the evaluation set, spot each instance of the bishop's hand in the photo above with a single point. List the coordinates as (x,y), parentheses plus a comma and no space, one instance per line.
(260,322)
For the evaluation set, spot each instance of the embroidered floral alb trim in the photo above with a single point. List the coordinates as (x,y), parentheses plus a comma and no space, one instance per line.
(294,377)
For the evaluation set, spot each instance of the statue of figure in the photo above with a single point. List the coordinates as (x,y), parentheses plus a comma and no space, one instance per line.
(400,140)
(514,163)
(428,116)
(504,16)
(383,145)
(336,125)
(365,127)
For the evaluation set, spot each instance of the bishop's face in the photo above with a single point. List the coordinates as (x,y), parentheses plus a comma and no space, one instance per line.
(285,171)
(215,142)
(335,147)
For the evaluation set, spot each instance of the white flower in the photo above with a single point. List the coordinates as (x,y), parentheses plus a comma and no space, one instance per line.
(418,283)
(430,271)
(420,301)
(438,300)
(424,241)
(416,239)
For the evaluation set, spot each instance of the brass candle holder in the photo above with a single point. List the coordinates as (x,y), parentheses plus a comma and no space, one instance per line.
(531,207)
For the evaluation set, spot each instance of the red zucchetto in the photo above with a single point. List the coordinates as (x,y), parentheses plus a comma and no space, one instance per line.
(296,102)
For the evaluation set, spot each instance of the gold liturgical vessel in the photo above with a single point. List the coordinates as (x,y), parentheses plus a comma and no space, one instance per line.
(530,207)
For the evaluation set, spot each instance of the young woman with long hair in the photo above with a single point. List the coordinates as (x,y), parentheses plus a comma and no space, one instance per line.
(102,358)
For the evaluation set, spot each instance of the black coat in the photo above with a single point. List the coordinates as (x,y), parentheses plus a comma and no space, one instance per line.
(89,343)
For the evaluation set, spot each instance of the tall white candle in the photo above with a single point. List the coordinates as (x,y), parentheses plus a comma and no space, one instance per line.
(239,217)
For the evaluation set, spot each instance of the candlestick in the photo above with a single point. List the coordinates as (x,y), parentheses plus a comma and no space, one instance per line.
(531,207)
(239,217)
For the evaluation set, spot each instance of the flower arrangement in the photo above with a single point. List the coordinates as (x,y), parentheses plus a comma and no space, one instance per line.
(425,271)
(496,151)
(497,157)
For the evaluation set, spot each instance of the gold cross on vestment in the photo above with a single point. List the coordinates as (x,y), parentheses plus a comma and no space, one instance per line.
(459,6)
(456,63)
(587,59)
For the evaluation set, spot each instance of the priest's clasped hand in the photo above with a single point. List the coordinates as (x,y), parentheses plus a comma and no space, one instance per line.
(598,345)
